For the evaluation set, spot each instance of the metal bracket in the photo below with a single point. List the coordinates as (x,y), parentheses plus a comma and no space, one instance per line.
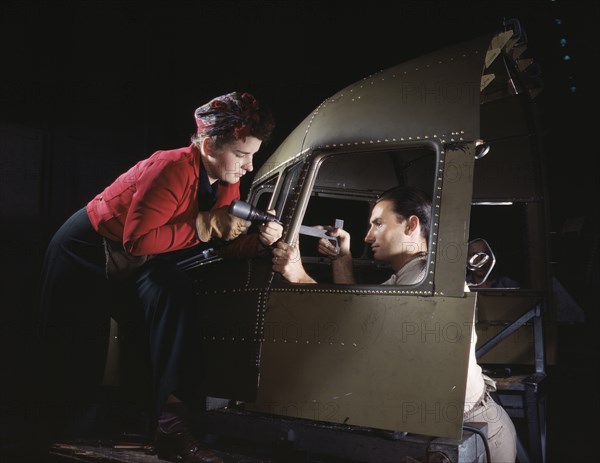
(320,233)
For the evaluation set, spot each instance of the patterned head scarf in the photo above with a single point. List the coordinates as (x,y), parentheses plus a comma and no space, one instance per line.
(234,113)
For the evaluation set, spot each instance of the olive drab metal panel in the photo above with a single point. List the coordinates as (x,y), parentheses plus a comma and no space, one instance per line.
(435,96)
(372,358)
(452,212)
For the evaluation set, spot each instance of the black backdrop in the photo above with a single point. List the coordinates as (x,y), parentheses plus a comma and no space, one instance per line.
(87,88)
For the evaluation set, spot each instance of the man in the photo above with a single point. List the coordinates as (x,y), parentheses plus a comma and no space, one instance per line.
(398,234)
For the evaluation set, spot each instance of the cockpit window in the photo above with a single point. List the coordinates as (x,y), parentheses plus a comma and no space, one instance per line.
(346,187)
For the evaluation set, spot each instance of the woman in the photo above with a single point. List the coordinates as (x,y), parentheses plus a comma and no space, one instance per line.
(398,234)
(127,237)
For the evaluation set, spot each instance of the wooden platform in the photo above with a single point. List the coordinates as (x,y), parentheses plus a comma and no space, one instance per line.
(105,452)
(90,451)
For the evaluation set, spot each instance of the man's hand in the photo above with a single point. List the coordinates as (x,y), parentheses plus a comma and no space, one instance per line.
(341,262)
(219,223)
(327,248)
(288,262)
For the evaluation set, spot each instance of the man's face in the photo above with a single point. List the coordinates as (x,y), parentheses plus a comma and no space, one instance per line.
(389,234)
(233,160)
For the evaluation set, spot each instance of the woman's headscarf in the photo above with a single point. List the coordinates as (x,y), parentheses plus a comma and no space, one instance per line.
(234,113)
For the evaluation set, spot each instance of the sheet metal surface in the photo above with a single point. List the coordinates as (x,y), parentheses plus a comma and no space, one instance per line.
(435,96)
(384,361)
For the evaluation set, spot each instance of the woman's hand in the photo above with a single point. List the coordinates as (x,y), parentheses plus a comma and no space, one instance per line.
(269,232)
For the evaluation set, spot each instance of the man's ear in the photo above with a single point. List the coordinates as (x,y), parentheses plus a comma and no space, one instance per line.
(412,224)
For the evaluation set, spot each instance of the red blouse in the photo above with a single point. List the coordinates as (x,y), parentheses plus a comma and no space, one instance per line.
(152,207)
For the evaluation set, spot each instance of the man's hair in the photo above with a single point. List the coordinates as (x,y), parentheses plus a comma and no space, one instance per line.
(409,201)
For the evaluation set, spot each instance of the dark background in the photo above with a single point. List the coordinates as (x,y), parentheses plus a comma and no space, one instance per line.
(88,88)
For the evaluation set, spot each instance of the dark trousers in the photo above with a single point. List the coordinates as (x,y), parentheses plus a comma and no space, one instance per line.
(76,303)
